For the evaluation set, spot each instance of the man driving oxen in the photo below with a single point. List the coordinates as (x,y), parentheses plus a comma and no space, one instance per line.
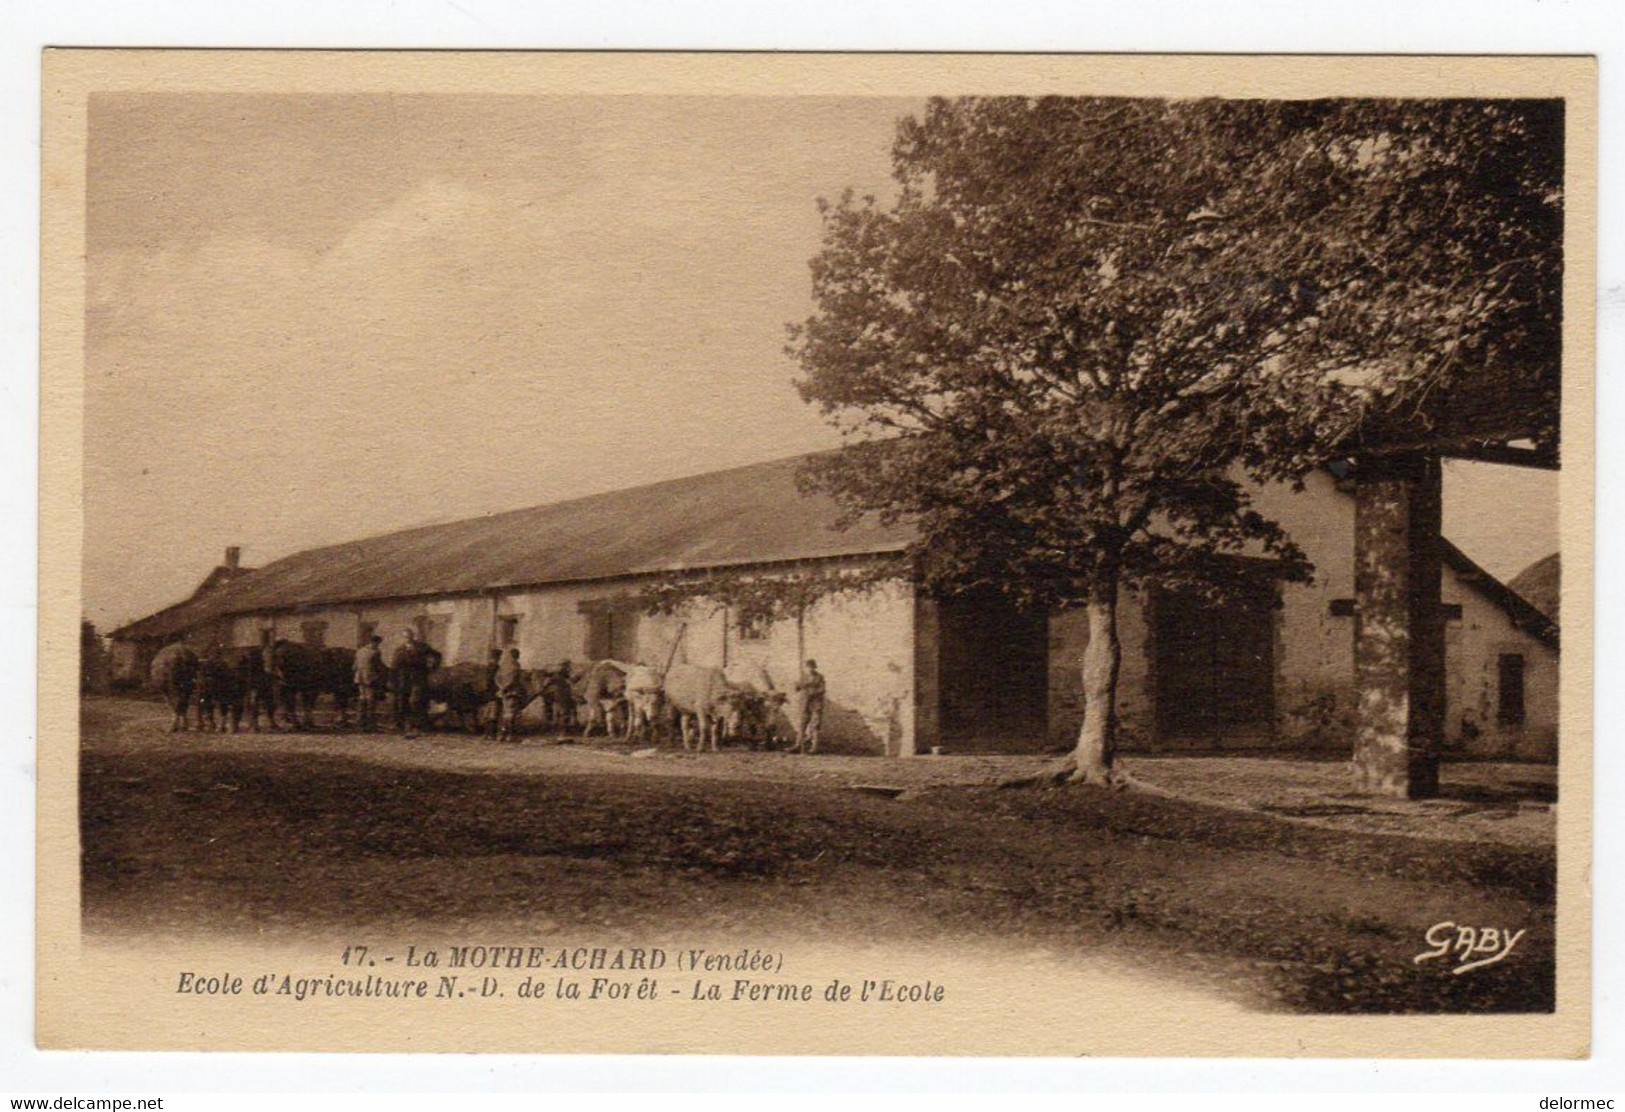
(508,682)
(371,676)
(559,696)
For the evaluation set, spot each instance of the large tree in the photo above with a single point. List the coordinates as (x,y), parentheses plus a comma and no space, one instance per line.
(1051,348)
(1434,260)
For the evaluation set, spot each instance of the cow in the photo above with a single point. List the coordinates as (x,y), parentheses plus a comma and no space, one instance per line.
(338,680)
(536,708)
(699,696)
(644,697)
(174,672)
(602,690)
(221,690)
(296,679)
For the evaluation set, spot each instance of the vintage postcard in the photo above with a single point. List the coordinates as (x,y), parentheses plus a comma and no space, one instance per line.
(816,554)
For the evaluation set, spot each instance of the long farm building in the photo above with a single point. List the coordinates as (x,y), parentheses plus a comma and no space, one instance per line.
(906,673)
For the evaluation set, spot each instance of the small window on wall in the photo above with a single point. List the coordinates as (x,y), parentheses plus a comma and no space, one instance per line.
(432,631)
(313,633)
(1510,710)
(612,634)
(507,631)
(752,627)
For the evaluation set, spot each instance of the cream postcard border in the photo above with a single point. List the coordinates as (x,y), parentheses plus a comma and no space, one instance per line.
(86,1000)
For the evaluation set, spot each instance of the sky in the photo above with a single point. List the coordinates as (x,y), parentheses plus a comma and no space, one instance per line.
(315,318)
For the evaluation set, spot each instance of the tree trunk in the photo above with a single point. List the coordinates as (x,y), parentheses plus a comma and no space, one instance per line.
(1097,739)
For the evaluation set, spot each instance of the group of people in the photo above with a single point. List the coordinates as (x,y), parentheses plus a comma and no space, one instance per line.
(406,676)
(405,681)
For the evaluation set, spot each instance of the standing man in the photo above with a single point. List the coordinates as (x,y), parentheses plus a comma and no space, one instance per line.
(413,662)
(369,680)
(509,684)
(561,704)
(810,716)
(493,699)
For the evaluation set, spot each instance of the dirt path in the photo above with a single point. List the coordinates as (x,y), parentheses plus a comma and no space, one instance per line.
(1504,803)
(1484,802)
(290,835)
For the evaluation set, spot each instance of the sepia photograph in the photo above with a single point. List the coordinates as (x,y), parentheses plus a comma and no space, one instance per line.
(688,564)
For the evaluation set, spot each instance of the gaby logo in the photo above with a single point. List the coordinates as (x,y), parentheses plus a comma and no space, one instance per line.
(1472,947)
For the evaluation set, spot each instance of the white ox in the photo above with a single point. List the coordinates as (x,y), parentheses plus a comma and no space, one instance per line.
(645,690)
(601,690)
(700,698)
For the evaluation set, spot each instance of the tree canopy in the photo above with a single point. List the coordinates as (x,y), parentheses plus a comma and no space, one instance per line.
(1068,294)
(1054,348)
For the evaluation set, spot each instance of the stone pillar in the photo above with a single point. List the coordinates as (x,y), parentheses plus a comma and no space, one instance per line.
(1399,654)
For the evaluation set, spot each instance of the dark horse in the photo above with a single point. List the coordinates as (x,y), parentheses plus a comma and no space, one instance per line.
(235,684)
(259,686)
(302,674)
(175,673)
(221,690)
(464,690)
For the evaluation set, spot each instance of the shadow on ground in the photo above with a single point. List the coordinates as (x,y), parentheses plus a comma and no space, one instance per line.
(259,844)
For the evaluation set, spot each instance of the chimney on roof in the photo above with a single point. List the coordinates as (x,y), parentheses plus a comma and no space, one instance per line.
(234,556)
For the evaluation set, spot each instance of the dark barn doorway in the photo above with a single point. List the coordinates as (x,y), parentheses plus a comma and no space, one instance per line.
(1214,665)
(994,676)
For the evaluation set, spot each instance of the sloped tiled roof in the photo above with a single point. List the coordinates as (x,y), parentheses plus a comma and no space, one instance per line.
(222,574)
(745,515)
(742,516)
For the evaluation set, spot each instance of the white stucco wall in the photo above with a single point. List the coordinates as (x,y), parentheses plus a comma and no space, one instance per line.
(1473,647)
(863,644)
(1314,661)
(1314,651)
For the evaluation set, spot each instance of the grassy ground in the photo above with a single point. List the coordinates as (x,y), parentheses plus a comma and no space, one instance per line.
(277,835)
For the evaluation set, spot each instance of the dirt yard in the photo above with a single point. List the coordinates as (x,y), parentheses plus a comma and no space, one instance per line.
(276,835)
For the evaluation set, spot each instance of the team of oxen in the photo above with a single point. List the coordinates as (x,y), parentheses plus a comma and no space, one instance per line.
(226,689)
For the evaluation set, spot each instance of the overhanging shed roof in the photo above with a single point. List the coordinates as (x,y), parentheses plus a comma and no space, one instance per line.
(745,515)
